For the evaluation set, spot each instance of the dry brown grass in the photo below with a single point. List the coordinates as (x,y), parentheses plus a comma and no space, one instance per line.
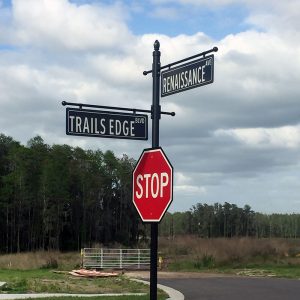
(225,250)
(40,259)
(222,250)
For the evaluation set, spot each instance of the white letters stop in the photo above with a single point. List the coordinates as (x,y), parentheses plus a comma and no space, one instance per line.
(153,183)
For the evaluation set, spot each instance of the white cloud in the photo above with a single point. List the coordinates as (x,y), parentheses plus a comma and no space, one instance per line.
(190,190)
(245,124)
(276,16)
(182,179)
(60,24)
(283,137)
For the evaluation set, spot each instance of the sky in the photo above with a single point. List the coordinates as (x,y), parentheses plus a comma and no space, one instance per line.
(235,140)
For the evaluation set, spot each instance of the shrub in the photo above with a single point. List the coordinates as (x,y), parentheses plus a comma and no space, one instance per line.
(206,261)
(51,263)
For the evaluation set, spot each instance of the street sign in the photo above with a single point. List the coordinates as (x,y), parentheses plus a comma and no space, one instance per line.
(107,124)
(187,76)
(152,185)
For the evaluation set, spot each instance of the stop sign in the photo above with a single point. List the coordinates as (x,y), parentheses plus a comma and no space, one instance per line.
(152,185)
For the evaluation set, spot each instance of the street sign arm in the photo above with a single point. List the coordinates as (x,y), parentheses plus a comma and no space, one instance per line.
(134,110)
(214,49)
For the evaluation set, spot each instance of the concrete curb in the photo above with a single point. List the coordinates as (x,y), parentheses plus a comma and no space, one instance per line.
(173,294)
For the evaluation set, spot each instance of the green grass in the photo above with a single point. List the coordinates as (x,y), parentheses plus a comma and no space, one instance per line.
(46,281)
(146,297)
(286,272)
(281,270)
(41,281)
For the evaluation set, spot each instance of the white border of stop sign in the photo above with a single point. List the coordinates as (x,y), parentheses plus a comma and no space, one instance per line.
(145,186)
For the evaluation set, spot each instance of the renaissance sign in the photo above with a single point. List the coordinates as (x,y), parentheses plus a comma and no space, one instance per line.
(106,124)
(187,76)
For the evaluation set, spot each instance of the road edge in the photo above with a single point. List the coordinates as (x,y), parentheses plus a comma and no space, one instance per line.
(173,294)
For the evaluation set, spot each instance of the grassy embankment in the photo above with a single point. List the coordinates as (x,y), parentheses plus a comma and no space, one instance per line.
(34,273)
(241,256)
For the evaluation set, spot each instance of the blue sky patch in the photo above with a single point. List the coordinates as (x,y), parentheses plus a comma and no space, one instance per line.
(174,18)
(178,19)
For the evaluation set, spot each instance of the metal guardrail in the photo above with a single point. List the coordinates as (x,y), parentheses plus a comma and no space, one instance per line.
(101,258)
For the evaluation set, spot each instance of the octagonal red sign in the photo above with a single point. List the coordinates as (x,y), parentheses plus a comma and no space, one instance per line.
(152,185)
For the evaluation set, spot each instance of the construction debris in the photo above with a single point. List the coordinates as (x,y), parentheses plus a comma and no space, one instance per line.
(92,273)
(256,273)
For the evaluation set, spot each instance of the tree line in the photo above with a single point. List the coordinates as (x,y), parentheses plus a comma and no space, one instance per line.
(66,198)
(60,197)
(228,220)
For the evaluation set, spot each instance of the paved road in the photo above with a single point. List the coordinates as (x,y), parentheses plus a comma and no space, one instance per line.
(236,288)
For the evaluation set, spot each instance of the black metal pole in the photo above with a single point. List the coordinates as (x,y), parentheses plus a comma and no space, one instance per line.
(156,111)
